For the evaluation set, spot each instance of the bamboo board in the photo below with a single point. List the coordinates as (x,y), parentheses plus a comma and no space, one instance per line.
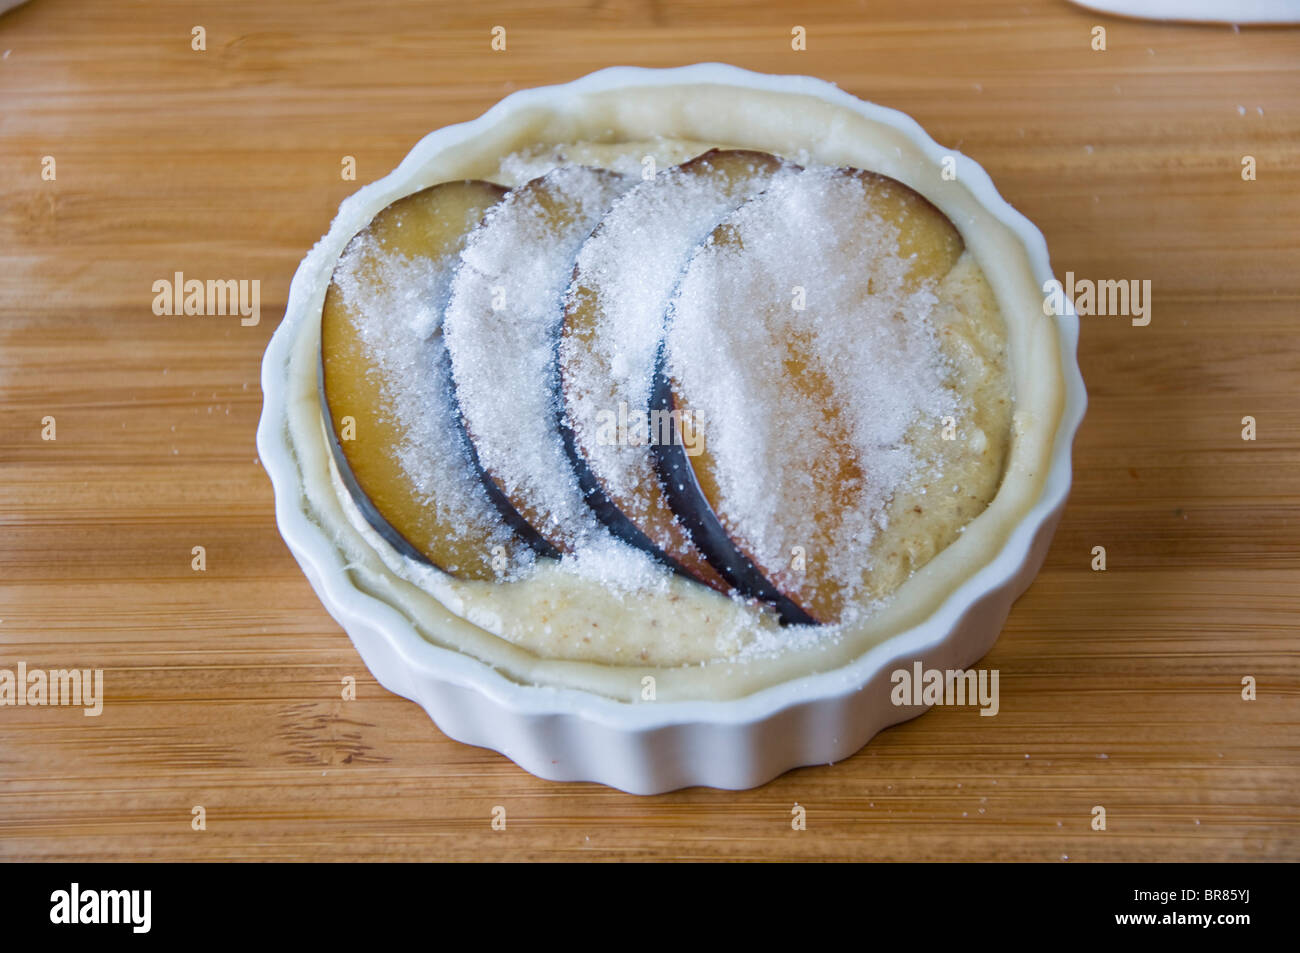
(1119,688)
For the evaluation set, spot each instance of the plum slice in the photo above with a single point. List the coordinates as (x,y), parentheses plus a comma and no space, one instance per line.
(385,384)
(502,322)
(799,343)
(623,279)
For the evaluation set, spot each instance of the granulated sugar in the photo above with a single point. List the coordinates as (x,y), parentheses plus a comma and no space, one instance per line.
(637,160)
(795,331)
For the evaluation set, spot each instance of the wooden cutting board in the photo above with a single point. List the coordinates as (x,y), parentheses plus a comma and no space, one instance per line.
(1120,689)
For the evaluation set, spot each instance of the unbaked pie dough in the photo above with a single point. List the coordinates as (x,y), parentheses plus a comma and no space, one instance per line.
(946,457)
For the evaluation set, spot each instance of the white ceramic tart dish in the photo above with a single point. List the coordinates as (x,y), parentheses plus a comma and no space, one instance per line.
(671,683)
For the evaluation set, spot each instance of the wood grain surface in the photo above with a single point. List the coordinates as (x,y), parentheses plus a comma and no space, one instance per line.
(1119,688)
